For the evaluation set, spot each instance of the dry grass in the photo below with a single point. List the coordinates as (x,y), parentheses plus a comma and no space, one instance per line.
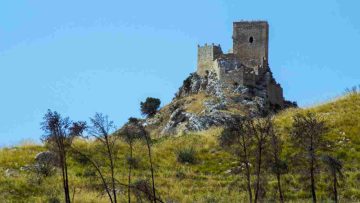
(205,181)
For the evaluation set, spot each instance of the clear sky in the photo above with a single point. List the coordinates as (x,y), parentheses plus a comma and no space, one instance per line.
(81,57)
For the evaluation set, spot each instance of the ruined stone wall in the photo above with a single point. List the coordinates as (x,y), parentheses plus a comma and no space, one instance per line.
(250,42)
(247,65)
(275,94)
(232,73)
(206,56)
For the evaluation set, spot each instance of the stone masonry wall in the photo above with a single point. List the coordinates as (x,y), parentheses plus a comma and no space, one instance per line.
(250,42)
(233,73)
(206,56)
(275,94)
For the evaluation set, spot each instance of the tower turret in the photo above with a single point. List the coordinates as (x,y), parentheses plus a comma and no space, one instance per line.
(250,42)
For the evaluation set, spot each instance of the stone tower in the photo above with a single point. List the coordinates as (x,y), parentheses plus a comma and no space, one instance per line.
(250,42)
(206,56)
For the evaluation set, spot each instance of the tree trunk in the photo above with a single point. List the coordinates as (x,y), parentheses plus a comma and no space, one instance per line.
(312,169)
(130,167)
(335,188)
(100,174)
(67,190)
(278,177)
(63,177)
(248,181)
(112,168)
(248,174)
(64,174)
(151,168)
(313,189)
(258,172)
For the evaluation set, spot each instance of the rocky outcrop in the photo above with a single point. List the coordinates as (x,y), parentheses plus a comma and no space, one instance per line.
(195,84)
(216,112)
(224,102)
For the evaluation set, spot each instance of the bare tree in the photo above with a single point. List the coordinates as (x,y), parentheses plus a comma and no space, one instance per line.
(101,129)
(236,138)
(59,134)
(144,135)
(130,133)
(261,130)
(308,134)
(278,166)
(97,167)
(335,168)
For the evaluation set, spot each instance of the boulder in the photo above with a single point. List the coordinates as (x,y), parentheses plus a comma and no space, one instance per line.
(11,172)
(47,158)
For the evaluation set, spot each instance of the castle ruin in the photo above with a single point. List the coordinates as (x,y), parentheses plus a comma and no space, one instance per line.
(247,63)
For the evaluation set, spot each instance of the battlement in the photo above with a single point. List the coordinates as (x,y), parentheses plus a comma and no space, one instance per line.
(246,64)
(206,56)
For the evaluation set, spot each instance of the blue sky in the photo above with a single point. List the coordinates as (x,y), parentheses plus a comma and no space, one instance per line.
(81,57)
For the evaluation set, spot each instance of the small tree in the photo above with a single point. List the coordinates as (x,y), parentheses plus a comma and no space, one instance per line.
(100,129)
(279,166)
(150,106)
(261,130)
(236,139)
(144,135)
(130,133)
(308,134)
(335,168)
(59,134)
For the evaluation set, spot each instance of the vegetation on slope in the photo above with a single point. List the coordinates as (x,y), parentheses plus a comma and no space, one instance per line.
(208,179)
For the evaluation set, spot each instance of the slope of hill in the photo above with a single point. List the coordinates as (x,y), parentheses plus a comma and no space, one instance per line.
(203,102)
(209,179)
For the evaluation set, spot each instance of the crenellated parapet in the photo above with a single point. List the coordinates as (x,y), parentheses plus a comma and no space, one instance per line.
(247,63)
(206,56)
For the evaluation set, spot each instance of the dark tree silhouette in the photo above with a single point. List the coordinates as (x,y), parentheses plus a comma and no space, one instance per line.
(130,133)
(335,168)
(100,129)
(59,134)
(150,106)
(236,139)
(97,167)
(279,166)
(145,136)
(308,134)
(261,130)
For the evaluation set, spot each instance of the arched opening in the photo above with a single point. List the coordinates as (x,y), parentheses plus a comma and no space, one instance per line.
(251,40)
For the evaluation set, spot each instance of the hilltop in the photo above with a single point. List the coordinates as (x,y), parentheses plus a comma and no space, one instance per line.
(237,83)
(208,180)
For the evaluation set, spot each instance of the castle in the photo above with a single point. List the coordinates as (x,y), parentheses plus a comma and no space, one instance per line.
(247,63)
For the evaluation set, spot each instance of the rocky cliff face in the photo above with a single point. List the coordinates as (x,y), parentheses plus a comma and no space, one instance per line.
(203,102)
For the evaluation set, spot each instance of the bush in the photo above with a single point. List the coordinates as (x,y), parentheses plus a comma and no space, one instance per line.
(180,175)
(186,155)
(134,162)
(89,172)
(53,200)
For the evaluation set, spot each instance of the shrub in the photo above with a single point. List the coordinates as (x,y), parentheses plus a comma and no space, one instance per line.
(134,162)
(89,172)
(186,155)
(180,175)
(143,190)
(53,200)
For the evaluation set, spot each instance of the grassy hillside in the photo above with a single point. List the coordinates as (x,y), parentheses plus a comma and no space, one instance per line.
(207,180)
